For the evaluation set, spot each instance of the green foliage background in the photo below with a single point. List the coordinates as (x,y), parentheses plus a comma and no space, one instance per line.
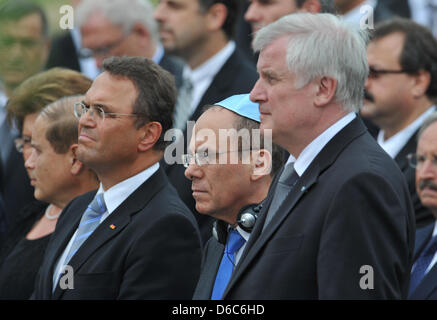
(51,8)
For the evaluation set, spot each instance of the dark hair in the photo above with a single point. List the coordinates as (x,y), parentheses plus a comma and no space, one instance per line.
(233,7)
(326,6)
(17,9)
(419,51)
(43,88)
(249,124)
(155,87)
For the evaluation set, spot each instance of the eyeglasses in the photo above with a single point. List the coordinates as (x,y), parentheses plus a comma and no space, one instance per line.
(418,160)
(98,114)
(204,157)
(376,73)
(103,51)
(20,143)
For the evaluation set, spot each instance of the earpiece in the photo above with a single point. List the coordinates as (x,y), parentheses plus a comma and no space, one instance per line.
(247,216)
(246,220)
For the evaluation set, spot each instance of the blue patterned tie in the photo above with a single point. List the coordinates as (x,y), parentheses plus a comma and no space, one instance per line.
(235,242)
(89,222)
(422,264)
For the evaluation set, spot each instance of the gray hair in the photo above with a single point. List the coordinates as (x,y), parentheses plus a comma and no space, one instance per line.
(124,13)
(431,119)
(322,45)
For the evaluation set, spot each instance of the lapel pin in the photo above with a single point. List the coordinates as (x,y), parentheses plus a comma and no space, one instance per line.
(112,226)
(303,189)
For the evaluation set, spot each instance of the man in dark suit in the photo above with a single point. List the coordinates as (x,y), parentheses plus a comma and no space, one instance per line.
(24,43)
(233,184)
(400,91)
(201,32)
(423,283)
(132,239)
(122,28)
(338,222)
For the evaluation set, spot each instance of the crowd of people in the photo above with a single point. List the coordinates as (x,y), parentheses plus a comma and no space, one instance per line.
(305,150)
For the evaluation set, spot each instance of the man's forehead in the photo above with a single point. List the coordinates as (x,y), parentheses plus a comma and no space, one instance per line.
(208,126)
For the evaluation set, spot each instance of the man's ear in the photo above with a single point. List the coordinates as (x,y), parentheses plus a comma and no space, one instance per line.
(149,135)
(325,91)
(216,16)
(76,165)
(312,6)
(421,83)
(261,164)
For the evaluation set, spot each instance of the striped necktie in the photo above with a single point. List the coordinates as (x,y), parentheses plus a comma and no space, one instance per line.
(422,264)
(89,222)
(286,182)
(183,105)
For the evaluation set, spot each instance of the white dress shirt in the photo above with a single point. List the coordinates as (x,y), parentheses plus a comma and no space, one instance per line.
(202,76)
(113,197)
(395,143)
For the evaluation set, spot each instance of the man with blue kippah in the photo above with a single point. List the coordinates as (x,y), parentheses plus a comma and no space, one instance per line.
(228,180)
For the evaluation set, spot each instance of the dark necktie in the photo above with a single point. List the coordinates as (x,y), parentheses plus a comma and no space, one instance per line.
(227,264)
(422,264)
(286,182)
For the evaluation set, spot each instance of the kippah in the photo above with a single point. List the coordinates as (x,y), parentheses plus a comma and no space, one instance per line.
(241,105)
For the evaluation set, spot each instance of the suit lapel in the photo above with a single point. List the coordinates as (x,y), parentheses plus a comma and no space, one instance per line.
(303,186)
(218,87)
(410,147)
(114,223)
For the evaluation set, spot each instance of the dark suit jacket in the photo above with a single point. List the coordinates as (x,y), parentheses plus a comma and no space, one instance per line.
(423,215)
(173,65)
(427,289)
(63,53)
(237,76)
(153,252)
(350,208)
(14,183)
(212,256)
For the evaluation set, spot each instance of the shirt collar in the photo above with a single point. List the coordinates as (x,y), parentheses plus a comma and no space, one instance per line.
(212,66)
(313,149)
(115,195)
(395,143)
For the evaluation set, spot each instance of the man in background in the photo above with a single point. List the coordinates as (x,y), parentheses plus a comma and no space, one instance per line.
(400,93)
(423,281)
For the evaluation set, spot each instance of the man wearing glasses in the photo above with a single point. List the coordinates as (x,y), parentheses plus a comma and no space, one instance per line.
(399,92)
(228,180)
(122,28)
(423,281)
(129,239)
